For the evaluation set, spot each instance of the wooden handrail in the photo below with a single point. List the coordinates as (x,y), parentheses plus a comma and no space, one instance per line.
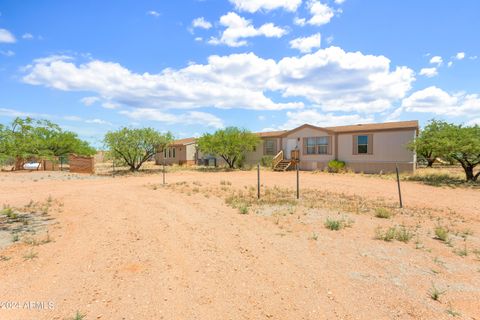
(277,159)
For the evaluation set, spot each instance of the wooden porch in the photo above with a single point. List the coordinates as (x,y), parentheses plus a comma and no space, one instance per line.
(280,163)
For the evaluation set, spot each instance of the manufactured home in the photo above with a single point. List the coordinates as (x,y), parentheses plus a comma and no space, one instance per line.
(369,148)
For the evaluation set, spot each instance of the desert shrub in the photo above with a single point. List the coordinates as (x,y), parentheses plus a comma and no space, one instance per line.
(435,293)
(387,235)
(403,235)
(266,161)
(338,224)
(243,209)
(400,234)
(336,166)
(383,213)
(441,233)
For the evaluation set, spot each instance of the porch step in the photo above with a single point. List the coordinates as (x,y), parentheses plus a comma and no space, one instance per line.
(283,165)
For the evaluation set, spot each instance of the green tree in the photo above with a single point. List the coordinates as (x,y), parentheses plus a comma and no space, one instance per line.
(463,145)
(135,146)
(427,145)
(230,144)
(27,138)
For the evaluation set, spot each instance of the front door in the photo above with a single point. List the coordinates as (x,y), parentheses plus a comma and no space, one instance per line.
(291,145)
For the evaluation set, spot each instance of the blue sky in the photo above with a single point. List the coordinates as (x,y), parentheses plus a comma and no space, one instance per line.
(193,66)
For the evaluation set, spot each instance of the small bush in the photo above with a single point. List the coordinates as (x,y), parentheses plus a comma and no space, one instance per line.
(8,211)
(441,233)
(336,166)
(403,235)
(435,293)
(243,209)
(383,213)
(332,224)
(338,224)
(387,235)
(400,234)
(266,161)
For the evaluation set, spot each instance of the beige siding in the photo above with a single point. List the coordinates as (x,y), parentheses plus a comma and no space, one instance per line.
(191,150)
(254,157)
(314,161)
(180,156)
(388,148)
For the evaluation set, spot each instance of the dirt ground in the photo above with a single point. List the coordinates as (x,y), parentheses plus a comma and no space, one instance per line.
(129,248)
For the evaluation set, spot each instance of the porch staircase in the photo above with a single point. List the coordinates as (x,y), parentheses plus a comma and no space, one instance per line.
(279,163)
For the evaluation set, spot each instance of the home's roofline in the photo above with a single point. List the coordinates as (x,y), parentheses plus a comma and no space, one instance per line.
(364,127)
(183,142)
(307,126)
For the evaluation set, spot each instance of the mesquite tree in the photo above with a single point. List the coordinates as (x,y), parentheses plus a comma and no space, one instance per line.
(427,144)
(463,145)
(230,144)
(135,146)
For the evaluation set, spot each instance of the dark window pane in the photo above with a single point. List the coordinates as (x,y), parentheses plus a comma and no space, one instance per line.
(362,148)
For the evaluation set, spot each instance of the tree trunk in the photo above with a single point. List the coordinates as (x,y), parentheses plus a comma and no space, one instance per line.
(469,173)
(430,162)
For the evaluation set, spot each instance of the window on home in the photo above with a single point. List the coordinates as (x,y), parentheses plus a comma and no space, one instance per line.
(270,147)
(311,144)
(362,144)
(169,152)
(174,152)
(317,145)
(322,145)
(164,153)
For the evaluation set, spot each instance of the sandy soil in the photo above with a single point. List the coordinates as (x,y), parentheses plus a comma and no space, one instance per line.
(127,248)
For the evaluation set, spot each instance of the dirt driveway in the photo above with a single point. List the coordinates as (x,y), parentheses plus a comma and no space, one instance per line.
(122,249)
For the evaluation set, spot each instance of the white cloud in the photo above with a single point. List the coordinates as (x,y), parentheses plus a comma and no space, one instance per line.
(321,13)
(330,78)
(429,72)
(299,21)
(191,117)
(239,28)
(198,39)
(437,101)
(266,5)
(110,105)
(201,23)
(344,81)
(72,118)
(11,113)
(153,13)
(316,118)
(97,121)
(27,36)
(436,60)
(306,44)
(88,101)
(339,1)
(6,36)
(7,53)
(460,56)
(450,63)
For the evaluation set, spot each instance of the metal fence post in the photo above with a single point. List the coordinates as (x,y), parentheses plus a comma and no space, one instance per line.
(163,171)
(298,181)
(398,185)
(258,181)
